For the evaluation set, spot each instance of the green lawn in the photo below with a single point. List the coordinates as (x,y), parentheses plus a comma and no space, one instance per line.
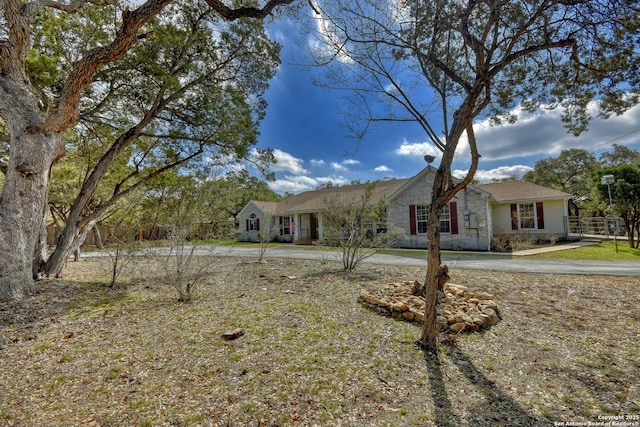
(605,250)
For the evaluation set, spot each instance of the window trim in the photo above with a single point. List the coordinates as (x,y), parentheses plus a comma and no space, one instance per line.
(537,216)
(253,223)
(419,216)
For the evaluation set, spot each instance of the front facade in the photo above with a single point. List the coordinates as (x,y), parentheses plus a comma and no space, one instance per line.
(464,223)
(468,222)
(521,208)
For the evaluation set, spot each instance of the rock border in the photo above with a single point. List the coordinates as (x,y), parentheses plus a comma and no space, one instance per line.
(459,309)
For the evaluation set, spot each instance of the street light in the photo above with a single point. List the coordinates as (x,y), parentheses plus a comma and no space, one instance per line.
(608,180)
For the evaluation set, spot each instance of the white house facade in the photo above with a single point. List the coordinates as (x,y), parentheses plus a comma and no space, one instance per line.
(469,221)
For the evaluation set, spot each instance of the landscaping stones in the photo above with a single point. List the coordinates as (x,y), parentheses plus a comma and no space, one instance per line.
(459,309)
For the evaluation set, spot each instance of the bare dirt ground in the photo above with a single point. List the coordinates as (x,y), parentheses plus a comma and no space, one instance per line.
(82,354)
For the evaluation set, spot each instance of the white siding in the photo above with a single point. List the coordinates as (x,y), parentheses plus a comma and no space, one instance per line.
(555,217)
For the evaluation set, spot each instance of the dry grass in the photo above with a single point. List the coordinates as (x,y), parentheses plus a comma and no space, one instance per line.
(79,353)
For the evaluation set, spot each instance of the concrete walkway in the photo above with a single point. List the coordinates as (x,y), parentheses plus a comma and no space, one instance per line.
(555,248)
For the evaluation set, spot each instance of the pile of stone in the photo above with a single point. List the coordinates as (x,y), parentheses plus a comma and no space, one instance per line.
(458,308)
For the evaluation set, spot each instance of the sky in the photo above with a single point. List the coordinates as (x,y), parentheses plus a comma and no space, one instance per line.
(305,128)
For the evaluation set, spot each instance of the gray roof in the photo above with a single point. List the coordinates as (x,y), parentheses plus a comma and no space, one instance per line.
(512,191)
(316,200)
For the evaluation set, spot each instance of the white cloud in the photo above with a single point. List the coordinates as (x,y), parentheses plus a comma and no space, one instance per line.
(417,149)
(542,133)
(298,184)
(499,173)
(351,162)
(382,168)
(289,186)
(338,166)
(316,163)
(327,43)
(288,163)
(343,166)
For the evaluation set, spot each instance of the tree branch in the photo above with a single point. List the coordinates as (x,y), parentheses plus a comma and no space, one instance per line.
(71,7)
(66,112)
(245,12)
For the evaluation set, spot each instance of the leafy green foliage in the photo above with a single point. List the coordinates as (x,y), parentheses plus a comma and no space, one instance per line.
(187,97)
(572,171)
(569,172)
(625,196)
(619,156)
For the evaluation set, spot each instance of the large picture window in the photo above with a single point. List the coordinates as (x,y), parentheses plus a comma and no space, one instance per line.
(419,221)
(527,216)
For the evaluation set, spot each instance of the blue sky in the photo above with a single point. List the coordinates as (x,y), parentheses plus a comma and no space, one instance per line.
(305,128)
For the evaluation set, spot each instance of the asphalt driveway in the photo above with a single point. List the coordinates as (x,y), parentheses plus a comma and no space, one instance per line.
(495,262)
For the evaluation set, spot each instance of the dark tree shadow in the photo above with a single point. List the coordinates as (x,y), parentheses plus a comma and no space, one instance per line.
(443,409)
(23,320)
(500,409)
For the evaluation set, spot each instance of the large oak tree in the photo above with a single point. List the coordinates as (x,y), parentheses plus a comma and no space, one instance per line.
(443,64)
(35,130)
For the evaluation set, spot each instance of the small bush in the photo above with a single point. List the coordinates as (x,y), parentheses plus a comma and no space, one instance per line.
(500,242)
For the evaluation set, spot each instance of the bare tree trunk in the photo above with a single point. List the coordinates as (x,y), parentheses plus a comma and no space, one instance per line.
(429,338)
(97,237)
(40,251)
(442,191)
(22,206)
(68,243)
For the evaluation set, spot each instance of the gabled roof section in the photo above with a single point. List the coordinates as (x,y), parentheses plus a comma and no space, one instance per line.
(265,207)
(316,200)
(421,179)
(429,170)
(513,191)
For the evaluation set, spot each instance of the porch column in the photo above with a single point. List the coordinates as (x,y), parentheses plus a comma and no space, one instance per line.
(320,226)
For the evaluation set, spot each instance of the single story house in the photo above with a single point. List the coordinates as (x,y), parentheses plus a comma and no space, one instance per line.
(469,222)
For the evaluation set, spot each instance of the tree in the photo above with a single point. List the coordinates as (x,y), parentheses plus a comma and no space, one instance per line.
(477,59)
(184,271)
(249,188)
(357,226)
(569,172)
(34,122)
(266,234)
(619,156)
(202,98)
(625,196)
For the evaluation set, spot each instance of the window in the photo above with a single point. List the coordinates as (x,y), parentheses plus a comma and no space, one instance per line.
(253,223)
(285,225)
(527,216)
(422,215)
(419,214)
(445,220)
